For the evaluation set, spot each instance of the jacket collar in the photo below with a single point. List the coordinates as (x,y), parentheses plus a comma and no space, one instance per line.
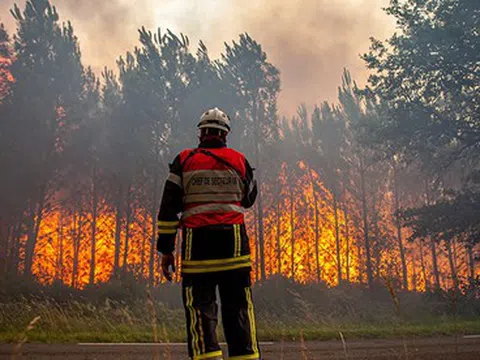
(212,144)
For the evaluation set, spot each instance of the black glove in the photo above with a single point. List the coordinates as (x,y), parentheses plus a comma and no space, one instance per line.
(167,261)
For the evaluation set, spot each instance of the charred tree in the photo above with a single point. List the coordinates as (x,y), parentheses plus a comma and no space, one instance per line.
(368,257)
(337,237)
(118,229)
(93,228)
(399,228)
(279,229)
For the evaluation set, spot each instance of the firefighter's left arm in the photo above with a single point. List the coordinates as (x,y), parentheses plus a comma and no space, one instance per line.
(171,206)
(250,187)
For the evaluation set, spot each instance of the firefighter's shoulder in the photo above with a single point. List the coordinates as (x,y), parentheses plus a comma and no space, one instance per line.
(184,154)
(236,152)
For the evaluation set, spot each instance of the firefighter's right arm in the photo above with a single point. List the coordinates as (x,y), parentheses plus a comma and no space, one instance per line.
(171,206)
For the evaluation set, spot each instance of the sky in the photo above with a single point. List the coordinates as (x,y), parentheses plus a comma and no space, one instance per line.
(309,41)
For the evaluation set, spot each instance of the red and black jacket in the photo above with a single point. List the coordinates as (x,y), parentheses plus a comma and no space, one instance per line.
(210,187)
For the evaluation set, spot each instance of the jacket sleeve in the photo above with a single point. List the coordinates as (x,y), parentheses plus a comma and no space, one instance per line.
(172,204)
(250,187)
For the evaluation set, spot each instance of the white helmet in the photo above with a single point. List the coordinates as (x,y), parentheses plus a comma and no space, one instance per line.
(215,119)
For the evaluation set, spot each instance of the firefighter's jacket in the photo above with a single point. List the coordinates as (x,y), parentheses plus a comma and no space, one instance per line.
(205,195)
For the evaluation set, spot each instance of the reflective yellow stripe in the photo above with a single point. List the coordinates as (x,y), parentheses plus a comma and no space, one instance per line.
(209,355)
(200,270)
(251,318)
(188,245)
(237,248)
(200,328)
(235,242)
(167,231)
(217,261)
(246,357)
(239,240)
(168,223)
(193,332)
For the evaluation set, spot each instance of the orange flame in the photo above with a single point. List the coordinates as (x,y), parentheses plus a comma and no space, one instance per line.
(297,222)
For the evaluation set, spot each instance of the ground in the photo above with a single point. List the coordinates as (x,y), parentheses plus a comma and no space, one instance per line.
(438,348)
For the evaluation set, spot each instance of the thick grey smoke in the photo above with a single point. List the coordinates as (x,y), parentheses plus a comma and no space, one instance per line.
(309,40)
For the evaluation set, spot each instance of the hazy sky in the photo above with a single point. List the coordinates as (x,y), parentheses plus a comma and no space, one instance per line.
(310,41)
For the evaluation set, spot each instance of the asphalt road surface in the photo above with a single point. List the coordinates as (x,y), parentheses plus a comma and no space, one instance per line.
(443,348)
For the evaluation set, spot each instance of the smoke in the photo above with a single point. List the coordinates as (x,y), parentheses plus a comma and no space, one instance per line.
(310,41)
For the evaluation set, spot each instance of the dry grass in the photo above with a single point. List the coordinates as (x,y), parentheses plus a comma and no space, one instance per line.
(23,338)
(285,312)
(118,322)
(344,344)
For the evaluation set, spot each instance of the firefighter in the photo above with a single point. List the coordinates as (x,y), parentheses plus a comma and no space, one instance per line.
(210,186)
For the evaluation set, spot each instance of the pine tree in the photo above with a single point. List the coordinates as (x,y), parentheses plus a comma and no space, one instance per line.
(256,83)
(43,106)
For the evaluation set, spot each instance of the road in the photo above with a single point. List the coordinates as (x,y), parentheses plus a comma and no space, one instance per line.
(442,348)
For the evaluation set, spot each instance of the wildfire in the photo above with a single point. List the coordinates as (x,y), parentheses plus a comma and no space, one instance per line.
(299,241)
(6,77)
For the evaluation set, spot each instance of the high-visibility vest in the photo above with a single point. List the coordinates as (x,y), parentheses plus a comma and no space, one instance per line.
(213,181)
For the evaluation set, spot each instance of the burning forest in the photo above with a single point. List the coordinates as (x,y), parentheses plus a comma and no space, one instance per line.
(379,187)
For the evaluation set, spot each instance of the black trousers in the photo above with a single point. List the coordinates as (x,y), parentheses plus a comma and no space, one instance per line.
(201,309)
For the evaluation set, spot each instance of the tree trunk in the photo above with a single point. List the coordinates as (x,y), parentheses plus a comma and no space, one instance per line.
(77,240)
(260,238)
(76,248)
(256,265)
(13,253)
(279,231)
(74,241)
(347,240)
(337,238)
(60,251)
(127,233)
(433,247)
(376,234)
(471,266)
(13,258)
(453,270)
(414,274)
(368,258)
(35,219)
(317,234)
(143,246)
(436,274)
(93,229)
(153,238)
(118,231)
(292,236)
(422,264)
(308,259)
(317,239)
(360,265)
(153,241)
(399,229)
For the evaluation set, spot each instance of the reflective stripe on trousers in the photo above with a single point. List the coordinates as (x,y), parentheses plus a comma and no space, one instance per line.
(207,266)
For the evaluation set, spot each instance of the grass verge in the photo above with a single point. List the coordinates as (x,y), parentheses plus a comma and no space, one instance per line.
(281,331)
